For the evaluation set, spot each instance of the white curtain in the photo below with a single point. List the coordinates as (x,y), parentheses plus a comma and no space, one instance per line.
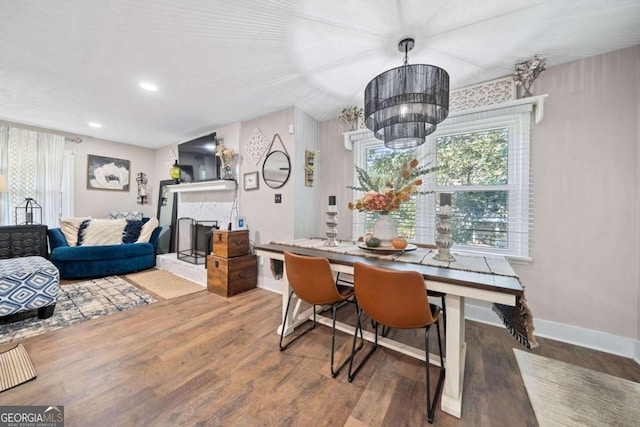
(32,162)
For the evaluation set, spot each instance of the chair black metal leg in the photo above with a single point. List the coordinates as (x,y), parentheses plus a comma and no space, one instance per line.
(335,372)
(284,326)
(431,405)
(353,372)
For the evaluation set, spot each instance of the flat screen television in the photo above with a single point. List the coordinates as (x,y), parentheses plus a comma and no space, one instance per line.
(197,159)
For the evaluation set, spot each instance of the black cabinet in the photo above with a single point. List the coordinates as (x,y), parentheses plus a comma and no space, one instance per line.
(23,240)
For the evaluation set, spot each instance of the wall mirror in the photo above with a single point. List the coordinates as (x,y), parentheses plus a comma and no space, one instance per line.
(167,215)
(276,169)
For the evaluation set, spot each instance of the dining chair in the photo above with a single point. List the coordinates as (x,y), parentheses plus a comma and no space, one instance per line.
(311,280)
(396,299)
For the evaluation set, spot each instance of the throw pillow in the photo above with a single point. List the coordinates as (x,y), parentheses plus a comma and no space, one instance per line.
(147,230)
(69,227)
(124,214)
(100,232)
(132,231)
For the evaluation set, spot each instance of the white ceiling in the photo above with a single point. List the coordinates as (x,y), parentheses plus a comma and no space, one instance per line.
(66,63)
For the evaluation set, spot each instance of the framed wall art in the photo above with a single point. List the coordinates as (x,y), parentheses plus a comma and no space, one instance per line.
(251,181)
(107,173)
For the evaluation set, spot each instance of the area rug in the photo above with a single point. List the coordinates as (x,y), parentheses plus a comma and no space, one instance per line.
(164,284)
(77,302)
(563,394)
(15,368)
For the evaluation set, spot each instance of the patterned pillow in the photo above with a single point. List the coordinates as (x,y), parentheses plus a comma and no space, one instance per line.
(99,232)
(147,230)
(124,214)
(132,231)
(69,227)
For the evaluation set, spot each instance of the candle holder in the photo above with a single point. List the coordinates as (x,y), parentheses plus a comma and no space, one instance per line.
(444,240)
(332,231)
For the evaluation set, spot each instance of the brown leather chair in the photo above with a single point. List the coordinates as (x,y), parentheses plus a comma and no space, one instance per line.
(312,281)
(396,299)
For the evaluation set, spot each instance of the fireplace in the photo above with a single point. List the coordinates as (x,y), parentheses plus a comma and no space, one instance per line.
(194,239)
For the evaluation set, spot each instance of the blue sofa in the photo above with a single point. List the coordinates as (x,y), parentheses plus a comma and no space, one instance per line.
(76,262)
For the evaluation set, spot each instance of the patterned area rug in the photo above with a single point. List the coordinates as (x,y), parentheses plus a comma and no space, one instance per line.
(566,395)
(164,284)
(77,302)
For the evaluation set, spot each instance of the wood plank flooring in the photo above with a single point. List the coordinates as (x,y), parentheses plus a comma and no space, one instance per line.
(203,360)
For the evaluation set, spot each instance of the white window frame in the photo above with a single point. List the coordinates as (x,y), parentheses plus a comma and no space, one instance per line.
(516,116)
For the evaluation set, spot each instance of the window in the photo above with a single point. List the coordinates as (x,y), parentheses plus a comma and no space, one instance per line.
(483,160)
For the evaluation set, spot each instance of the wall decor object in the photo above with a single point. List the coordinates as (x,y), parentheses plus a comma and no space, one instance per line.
(276,168)
(309,167)
(143,197)
(256,146)
(107,173)
(251,181)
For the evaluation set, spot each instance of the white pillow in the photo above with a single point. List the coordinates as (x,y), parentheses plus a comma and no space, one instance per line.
(100,232)
(69,227)
(147,230)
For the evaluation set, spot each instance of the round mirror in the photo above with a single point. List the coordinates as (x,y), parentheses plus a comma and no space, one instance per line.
(276,169)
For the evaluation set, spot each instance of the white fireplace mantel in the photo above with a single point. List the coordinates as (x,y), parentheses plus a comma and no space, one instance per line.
(218,185)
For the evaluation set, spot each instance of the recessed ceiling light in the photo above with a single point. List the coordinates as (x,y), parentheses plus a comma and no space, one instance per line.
(148,86)
(95,125)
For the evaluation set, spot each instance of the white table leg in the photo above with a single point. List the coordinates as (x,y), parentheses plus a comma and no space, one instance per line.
(451,401)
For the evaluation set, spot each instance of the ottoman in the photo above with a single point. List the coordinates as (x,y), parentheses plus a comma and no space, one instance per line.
(28,283)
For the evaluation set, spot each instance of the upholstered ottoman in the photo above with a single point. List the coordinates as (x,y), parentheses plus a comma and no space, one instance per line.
(28,283)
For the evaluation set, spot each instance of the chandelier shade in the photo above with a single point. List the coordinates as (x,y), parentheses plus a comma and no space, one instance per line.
(405,104)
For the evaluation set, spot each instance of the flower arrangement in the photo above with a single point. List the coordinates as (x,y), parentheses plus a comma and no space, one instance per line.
(527,71)
(387,196)
(224,153)
(351,116)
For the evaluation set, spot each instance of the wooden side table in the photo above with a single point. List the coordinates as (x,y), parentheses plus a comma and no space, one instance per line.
(23,240)
(231,269)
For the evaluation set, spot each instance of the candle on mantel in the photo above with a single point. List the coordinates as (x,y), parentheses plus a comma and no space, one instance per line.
(332,204)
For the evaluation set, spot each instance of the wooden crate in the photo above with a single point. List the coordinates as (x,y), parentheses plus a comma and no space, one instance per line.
(230,276)
(230,244)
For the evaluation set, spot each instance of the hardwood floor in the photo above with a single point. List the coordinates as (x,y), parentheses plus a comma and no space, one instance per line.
(209,361)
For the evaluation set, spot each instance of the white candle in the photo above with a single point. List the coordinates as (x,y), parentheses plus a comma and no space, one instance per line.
(445,210)
(143,191)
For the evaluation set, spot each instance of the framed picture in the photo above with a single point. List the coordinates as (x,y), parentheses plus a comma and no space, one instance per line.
(107,173)
(251,181)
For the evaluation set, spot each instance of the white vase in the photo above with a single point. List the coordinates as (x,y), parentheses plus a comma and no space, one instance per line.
(385,229)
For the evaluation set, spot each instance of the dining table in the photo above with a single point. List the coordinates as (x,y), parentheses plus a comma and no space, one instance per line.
(483,277)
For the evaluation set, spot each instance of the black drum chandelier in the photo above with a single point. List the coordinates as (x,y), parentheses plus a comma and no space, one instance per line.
(405,104)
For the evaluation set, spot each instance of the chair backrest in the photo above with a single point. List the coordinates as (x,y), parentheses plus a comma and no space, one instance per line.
(394,298)
(311,278)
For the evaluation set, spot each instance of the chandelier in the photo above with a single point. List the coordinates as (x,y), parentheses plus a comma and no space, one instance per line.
(403,105)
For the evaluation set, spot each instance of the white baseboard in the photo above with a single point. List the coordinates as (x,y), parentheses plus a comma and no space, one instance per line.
(602,341)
